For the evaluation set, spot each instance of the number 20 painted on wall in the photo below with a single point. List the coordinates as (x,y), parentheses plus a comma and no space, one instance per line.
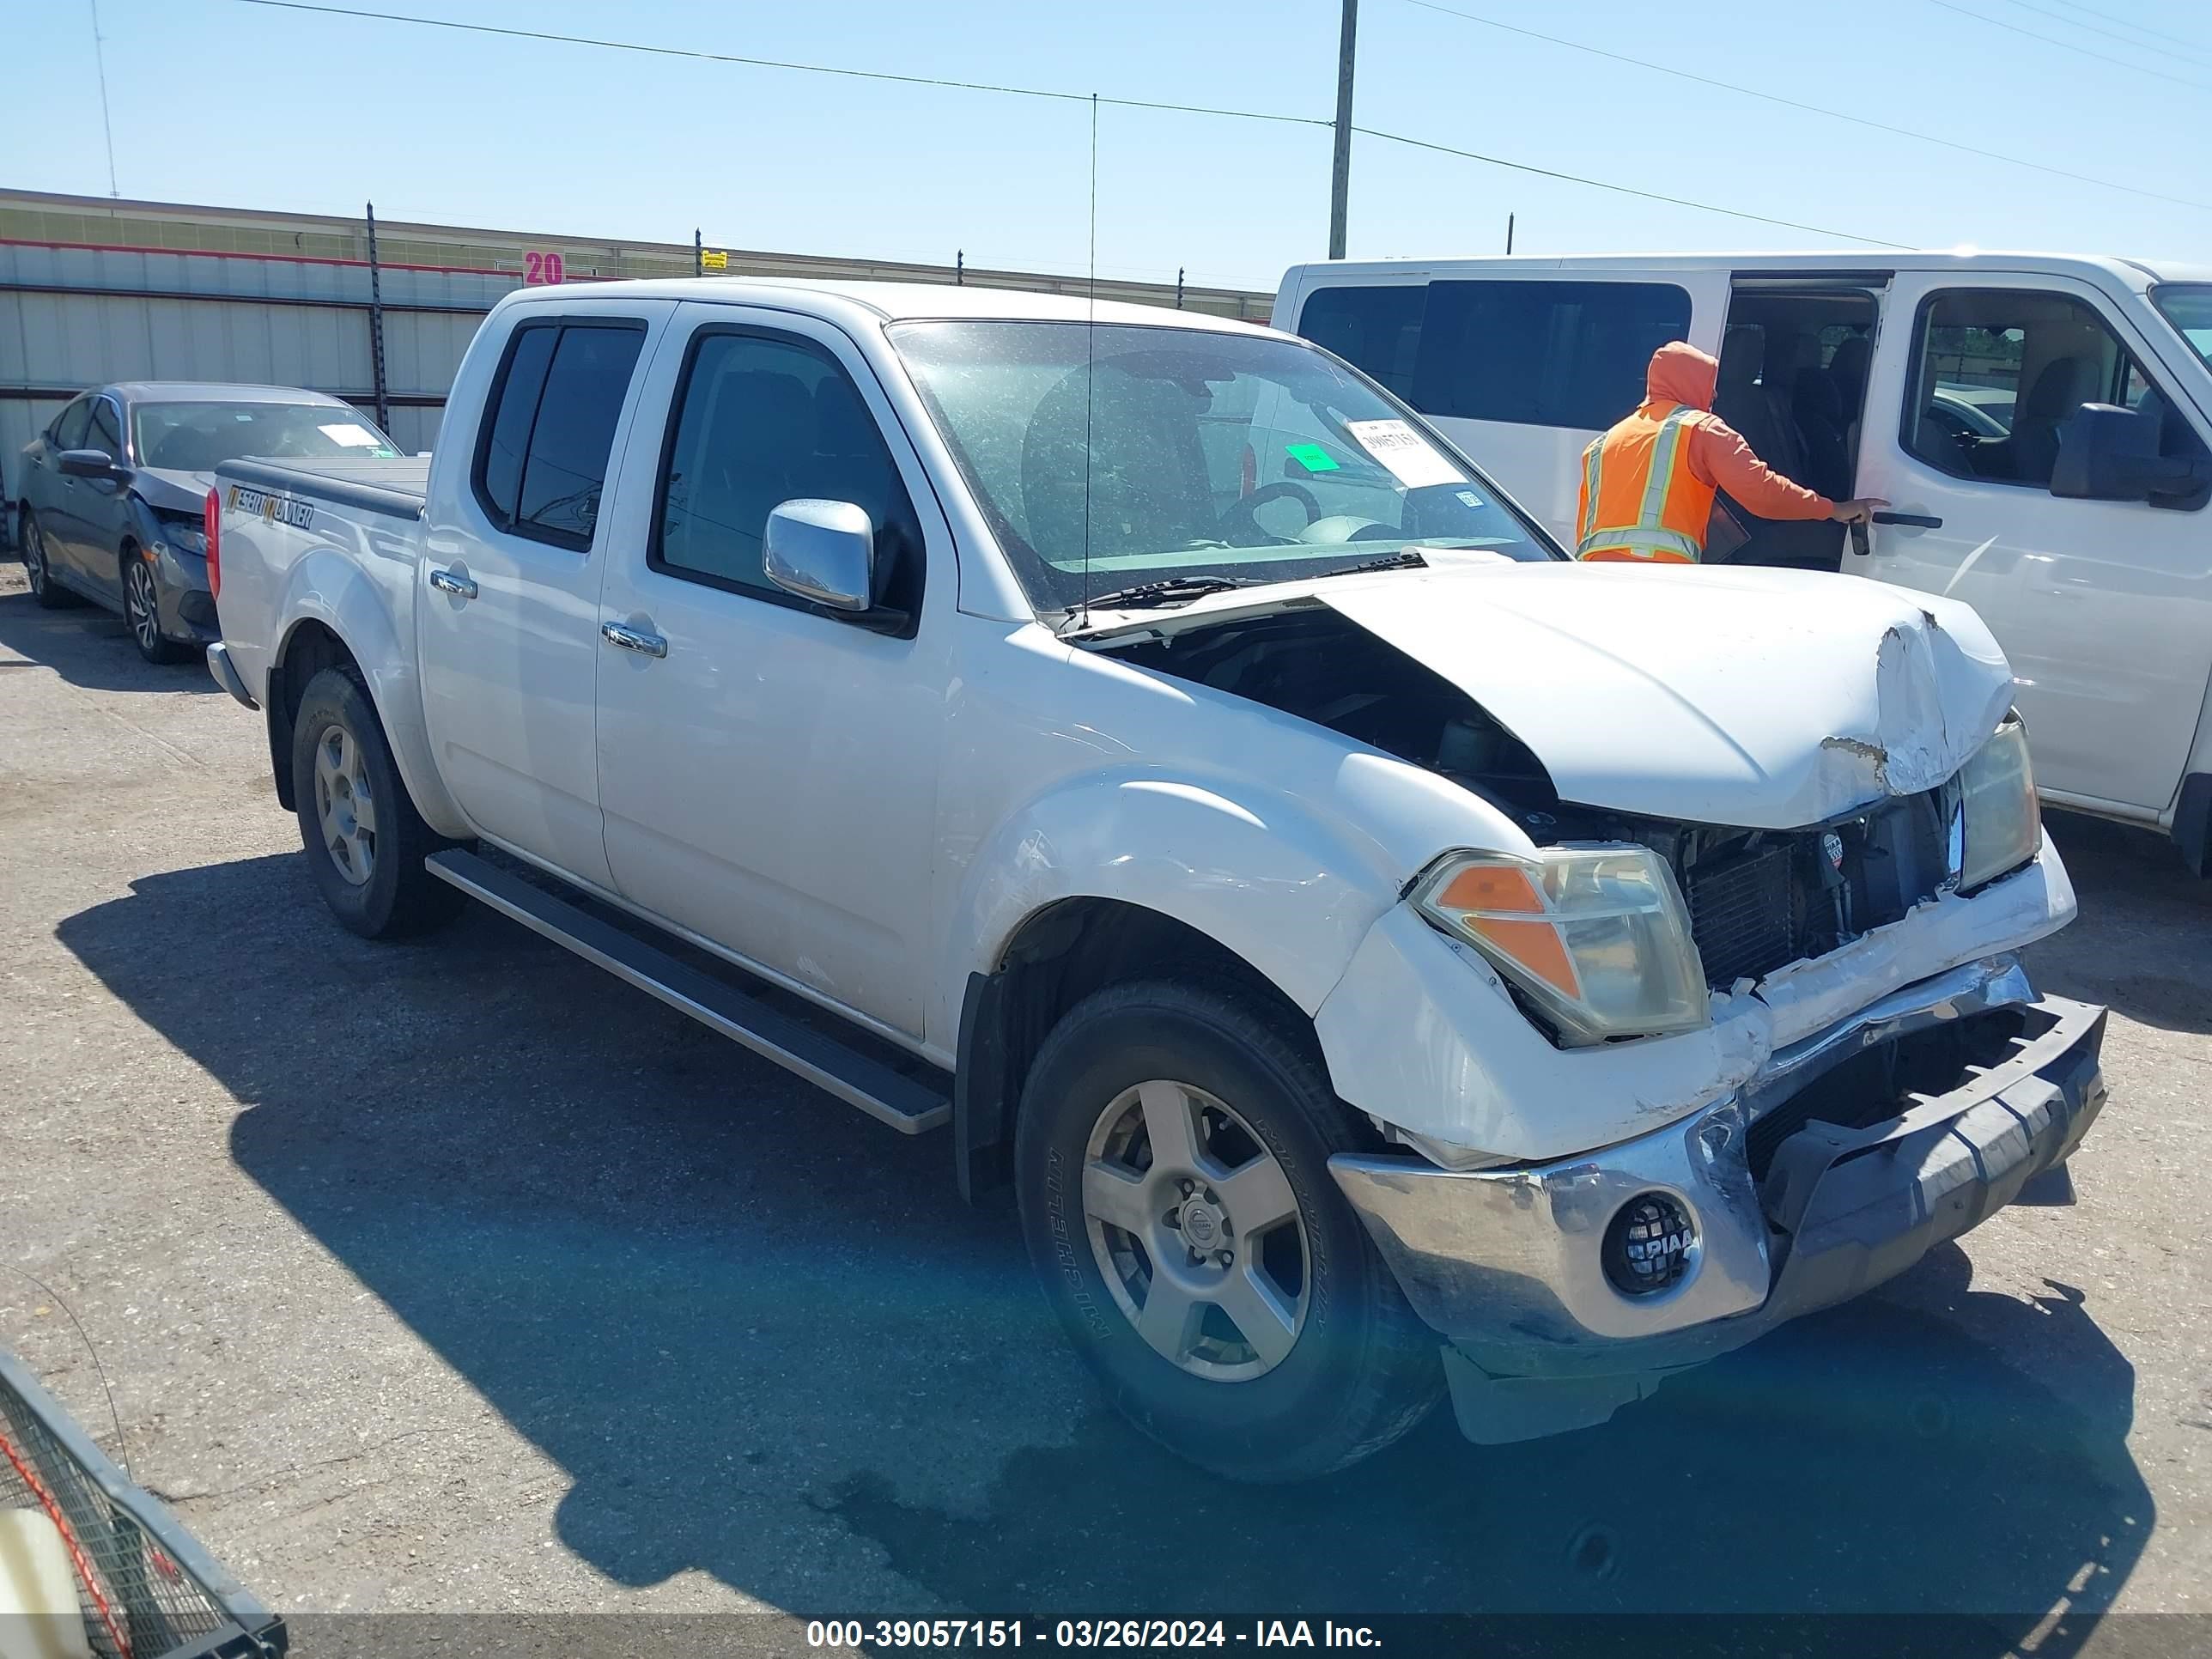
(541,268)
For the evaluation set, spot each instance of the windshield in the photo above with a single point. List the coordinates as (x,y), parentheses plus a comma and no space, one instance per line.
(2188,306)
(199,437)
(1166,454)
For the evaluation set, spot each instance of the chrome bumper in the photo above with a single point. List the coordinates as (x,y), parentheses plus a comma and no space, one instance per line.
(1505,1265)
(225,673)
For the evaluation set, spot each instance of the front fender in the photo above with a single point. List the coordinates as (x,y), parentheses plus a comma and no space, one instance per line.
(332,588)
(1260,875)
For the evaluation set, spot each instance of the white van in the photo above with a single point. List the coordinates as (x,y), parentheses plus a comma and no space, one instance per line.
(1950,384)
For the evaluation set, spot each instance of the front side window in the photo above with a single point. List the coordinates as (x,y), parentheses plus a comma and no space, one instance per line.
(2188,306)
(542,461)
(1998,373)
(762,420)
(1118,455)
(104,432)
(199,437)
(70,425)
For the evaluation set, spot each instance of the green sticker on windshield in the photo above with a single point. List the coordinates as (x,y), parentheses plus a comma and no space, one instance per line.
(1312,457)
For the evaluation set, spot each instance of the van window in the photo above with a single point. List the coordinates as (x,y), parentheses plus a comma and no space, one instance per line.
(1998,372)
(543,459)
(1530,353)
(1375,329)
(1543,354)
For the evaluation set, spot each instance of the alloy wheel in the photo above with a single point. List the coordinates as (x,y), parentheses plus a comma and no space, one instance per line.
(35,556)
(144,603)
(345,804)
(1194,1225)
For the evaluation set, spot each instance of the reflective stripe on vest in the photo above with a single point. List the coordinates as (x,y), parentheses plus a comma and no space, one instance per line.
(1648,538)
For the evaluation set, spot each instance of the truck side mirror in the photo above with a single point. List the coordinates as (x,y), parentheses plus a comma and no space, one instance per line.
(2108,453)
(94,463)
(822,551)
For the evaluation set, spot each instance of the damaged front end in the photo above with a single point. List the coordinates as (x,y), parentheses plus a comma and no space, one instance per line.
(1840,804)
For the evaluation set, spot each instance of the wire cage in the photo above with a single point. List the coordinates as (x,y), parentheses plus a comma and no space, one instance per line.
(146,1589)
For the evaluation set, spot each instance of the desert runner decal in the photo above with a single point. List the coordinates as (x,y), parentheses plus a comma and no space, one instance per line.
(277,509)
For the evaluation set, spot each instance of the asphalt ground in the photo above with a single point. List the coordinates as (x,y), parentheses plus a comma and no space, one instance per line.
(456,1277)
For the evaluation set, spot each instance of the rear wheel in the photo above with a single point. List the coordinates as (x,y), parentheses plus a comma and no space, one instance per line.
(365,841)
(43,587)
(1172,1164)
(142,609)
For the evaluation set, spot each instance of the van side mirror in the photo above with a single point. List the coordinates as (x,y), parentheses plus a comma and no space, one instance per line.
(822,551)
(94,463)
(2108,453)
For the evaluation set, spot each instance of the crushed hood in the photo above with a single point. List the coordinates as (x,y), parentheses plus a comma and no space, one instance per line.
(1767,699)
(172,490)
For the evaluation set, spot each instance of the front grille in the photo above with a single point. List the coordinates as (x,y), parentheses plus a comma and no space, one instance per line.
(1743,914)
(1761,899)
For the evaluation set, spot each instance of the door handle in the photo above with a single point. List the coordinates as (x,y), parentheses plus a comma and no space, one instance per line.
(634,639)
(453,582)
(1917,520)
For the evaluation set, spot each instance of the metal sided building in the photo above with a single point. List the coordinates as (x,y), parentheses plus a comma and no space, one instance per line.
(93,290)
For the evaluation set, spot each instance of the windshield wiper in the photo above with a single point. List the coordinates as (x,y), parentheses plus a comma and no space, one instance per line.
(1169,588)
(1404,559)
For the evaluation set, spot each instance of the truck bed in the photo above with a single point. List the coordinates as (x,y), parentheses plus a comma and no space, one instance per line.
(394,488)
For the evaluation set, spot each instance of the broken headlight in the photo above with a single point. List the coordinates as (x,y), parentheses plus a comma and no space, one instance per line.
(1996,797)
(1597,937)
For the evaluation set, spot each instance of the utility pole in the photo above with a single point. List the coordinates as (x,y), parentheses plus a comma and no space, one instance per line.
(1339,182)
(1509,232)
(376,327)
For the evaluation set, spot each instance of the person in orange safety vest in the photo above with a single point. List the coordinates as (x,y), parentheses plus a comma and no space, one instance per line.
(1648,483)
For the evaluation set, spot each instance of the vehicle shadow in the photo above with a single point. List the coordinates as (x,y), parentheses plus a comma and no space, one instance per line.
(2150,955)
(716,1298)
(88,646)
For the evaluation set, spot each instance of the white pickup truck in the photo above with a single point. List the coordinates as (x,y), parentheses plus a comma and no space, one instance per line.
(1378,954)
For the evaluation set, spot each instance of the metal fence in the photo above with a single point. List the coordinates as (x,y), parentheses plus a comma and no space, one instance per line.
(94,291)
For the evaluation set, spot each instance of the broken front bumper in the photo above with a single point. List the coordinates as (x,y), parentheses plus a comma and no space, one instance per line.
(1792,1211)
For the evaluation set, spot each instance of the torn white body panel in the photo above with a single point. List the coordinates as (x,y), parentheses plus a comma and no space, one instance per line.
(1422,1034)
(1769,699)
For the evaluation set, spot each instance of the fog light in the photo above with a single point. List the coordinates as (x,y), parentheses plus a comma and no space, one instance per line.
(1647,1247)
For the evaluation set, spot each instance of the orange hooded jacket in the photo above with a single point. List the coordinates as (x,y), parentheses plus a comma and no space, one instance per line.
(1648,484)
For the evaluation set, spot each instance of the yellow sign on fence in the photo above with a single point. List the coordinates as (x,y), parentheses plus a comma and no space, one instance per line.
(713,258)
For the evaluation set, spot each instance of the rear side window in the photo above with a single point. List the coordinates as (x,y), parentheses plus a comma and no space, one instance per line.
(1375,329)
(762,420)
(1530,354)
(542,461)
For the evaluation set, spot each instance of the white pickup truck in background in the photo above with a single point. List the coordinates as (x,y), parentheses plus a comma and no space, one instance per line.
(1377,953)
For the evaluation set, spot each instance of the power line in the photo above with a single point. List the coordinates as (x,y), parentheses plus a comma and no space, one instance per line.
(1037,92)
(2061,18)
(2140,29)
(2067,45)
(1810,109)
(1624,190)
(778,63)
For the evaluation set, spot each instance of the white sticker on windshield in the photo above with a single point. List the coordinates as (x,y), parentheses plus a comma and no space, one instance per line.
(1413,459)
(351,434)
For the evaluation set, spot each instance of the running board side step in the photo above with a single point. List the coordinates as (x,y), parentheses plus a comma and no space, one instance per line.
(908,1105)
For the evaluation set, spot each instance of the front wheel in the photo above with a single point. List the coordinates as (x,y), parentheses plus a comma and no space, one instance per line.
(142,609)
(1172,1166)
(365,841)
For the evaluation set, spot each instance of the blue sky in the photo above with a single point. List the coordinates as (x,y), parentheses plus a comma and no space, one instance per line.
(220,102)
